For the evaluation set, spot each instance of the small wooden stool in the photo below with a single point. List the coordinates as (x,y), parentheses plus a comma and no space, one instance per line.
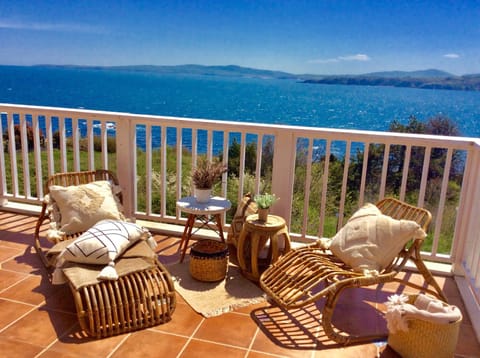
(253,238)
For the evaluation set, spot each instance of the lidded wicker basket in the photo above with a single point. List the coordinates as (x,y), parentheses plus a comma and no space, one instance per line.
(425,339)
(209,260)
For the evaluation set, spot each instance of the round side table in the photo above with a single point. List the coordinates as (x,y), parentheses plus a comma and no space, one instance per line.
(209,215)
(254,237)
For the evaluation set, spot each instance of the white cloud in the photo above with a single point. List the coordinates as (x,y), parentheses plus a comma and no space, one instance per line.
(451,55)
(357,57)
(328,60)
(36,26)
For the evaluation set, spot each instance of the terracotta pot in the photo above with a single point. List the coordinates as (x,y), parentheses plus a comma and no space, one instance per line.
(203,195)
(263,214)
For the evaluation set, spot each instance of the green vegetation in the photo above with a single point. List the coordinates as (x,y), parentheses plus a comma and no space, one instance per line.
(331,220)
(266,200)
(57,167)
(376,152)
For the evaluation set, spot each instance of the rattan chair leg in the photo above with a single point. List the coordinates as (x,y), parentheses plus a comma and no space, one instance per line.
(36,243)
(338,336)
(428,277)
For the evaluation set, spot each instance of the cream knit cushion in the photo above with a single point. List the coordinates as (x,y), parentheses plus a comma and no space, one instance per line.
(82,206)
(370,240)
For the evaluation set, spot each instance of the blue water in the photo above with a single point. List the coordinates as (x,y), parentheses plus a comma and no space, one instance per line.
(237,99)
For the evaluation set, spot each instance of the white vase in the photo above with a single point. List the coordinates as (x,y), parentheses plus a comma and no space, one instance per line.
(203,195)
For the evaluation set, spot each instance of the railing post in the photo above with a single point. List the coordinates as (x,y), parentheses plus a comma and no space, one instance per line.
(466,253)
(283,173)
(126,162)
(3,199)
(465,241)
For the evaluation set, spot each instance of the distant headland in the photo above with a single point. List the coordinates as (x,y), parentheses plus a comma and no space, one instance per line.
(426,79)
(429,79)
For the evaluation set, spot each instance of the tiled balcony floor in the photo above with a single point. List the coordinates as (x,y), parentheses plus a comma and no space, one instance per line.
(39,320)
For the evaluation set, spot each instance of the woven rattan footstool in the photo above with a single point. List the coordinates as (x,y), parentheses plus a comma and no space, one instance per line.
(143,296)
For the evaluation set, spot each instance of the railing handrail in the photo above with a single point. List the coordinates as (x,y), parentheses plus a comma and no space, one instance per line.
(300,131)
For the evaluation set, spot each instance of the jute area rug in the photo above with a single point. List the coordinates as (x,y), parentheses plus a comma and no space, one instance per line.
(215,298)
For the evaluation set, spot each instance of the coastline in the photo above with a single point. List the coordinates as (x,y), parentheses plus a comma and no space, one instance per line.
(462,83)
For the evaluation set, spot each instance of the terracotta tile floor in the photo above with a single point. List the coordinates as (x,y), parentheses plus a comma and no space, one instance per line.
(38,319)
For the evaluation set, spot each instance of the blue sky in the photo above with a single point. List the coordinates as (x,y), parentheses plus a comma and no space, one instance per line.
(317,36)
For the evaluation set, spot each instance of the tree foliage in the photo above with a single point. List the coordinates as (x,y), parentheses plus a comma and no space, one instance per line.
(438,125)
(373,157)
(234,152)
(18,135)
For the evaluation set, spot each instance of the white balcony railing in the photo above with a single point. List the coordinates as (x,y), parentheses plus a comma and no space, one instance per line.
(312,170)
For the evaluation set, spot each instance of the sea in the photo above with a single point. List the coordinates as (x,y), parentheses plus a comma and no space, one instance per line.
(257,100)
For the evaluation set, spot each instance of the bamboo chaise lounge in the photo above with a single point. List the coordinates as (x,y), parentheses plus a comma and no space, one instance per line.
(141,297)
(305,275)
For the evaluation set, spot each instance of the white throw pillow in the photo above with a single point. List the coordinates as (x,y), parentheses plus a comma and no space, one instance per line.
(102,244)
(82,206)
(370,241)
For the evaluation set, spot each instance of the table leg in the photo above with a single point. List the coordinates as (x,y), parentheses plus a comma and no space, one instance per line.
(218,220)
(187,234)
(240,249)
(255,241)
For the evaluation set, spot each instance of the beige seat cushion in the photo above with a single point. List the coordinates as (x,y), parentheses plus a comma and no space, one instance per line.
(136,258)
(370,240)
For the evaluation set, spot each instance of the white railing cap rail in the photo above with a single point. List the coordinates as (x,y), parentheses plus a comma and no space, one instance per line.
(352,135)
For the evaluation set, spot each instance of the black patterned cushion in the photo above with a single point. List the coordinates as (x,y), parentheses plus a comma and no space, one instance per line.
(103,242)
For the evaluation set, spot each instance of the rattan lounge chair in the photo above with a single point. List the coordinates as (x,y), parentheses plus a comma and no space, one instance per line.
(305,275)
(143,295)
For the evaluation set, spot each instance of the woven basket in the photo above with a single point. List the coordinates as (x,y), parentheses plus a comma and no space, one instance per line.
(425,339)
(209,260)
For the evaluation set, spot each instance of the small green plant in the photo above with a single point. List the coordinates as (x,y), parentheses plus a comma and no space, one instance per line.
(207,173)
(266,200)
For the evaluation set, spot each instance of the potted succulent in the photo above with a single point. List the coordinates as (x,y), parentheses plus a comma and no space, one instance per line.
(264,202)
(204,176)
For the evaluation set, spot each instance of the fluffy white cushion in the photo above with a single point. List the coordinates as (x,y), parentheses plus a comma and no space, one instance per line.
(401,309)
(82,206)
(102,244)
(370,240)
